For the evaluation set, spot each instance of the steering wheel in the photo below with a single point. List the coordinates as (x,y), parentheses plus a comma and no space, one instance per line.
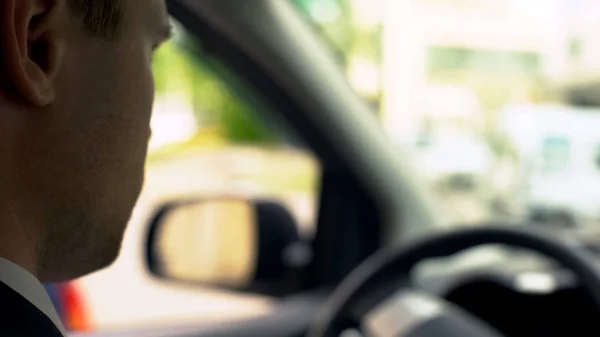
(377,297)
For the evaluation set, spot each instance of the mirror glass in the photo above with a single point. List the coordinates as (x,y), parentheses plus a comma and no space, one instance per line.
(211,242)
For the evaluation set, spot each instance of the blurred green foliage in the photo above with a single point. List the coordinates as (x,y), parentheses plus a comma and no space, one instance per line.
(221,102)
(334,21)
(218,98)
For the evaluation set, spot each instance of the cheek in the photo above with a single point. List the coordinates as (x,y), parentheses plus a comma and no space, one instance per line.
(144,103)
(147,94)
(100,122)
(125,107)
(151,89)
(149,86)
(140,92)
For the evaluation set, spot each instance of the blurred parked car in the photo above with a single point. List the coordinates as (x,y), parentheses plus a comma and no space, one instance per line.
(449,147)
(457,161)
(559,149)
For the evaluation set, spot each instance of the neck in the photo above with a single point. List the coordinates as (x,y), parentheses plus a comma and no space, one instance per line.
(16,245)
(18,239)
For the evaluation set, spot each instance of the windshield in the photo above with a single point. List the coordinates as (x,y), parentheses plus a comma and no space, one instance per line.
(488,98)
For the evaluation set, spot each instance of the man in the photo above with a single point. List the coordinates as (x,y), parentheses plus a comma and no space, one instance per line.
(76,94)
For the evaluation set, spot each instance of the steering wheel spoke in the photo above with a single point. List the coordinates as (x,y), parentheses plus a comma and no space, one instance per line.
(401,314)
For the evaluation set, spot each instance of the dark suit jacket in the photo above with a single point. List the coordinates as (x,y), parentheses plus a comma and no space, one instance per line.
(20,318)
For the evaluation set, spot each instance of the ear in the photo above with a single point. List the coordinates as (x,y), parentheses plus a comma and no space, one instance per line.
(31,46)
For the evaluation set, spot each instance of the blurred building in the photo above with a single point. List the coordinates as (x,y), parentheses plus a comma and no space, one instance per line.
(584,41)
(583,83)
(500,49)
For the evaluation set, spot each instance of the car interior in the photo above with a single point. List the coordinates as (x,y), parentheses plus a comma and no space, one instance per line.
(380,263)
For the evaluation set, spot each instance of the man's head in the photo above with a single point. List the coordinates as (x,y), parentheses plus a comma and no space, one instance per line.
(76,94)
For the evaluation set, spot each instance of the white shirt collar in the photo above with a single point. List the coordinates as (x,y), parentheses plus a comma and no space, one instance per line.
(22,282)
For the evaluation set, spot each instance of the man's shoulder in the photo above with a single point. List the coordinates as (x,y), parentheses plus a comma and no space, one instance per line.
(19,317)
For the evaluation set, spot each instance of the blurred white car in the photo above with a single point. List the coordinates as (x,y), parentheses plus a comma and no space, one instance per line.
(559,150)
(448,148)
(456,159)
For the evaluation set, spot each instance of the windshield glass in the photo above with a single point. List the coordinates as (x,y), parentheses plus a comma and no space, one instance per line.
(488,98)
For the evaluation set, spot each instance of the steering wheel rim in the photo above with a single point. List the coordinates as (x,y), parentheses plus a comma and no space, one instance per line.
(398,262)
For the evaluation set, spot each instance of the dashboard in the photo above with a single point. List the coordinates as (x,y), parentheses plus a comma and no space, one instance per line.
(563,312)
(517,292)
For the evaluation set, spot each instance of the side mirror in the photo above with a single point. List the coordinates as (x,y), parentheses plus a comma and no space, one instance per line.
(232,243)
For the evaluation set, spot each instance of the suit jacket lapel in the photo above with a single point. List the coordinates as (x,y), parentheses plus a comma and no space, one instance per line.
(19,317)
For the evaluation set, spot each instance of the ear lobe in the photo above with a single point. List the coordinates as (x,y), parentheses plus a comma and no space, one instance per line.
(32,45)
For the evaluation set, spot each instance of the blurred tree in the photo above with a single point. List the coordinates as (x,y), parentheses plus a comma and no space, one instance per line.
(218,99)
(333,21)
(171,70)
(354,44)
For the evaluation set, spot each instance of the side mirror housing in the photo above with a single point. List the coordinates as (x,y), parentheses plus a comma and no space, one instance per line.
(245,245)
